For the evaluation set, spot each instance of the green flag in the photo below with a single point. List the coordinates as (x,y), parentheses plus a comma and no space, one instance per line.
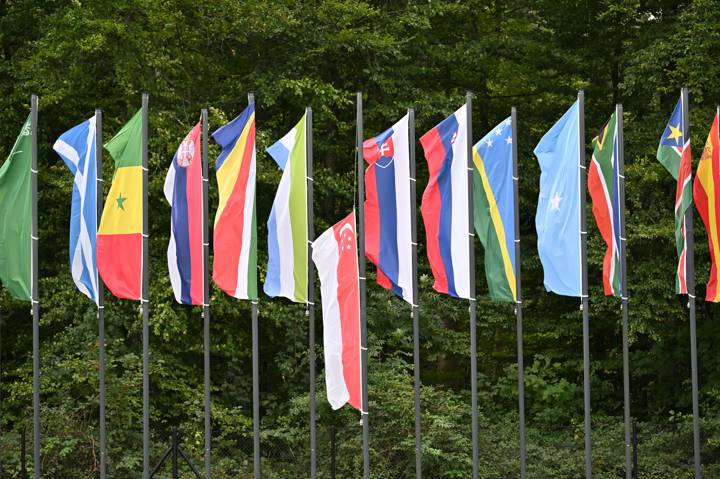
(16,217)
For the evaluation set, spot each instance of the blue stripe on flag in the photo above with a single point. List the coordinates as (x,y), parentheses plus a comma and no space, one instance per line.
(181,232)
(272,279)
(447,130)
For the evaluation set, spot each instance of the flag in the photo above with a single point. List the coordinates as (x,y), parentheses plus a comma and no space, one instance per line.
(674,154)
(388,242)
(287,273)
(77,149)
(335,255)
(557,220)
(445,205)
(235,231)
(16,216)
(184,191)
(707,199)
(494,209)
(604,188)
(119,238)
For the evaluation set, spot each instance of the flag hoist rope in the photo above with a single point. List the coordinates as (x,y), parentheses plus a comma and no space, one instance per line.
(100,292)
(206,298)
(144,297)
(34,296)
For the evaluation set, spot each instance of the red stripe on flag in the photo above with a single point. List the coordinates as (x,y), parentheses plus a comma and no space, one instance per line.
(119,260)
(194,192)
(601,212)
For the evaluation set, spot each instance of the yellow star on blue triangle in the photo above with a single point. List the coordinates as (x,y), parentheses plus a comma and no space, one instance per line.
(675,133)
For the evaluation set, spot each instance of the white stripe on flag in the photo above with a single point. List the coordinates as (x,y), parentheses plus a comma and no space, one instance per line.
(402,204)
(174,272)
(460,241)
(241,290)
(284,236)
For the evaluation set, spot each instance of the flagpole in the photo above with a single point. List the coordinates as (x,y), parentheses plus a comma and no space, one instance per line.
(471,303)
(362,286)
(416,301)
(100,292)
(35,298)
(255,370)
(518,300)
(144,294)
(690,279)
(584,292)
(206,299)
(619,122)
(311,290)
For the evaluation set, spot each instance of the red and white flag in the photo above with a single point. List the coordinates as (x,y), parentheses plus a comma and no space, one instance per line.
(336,258)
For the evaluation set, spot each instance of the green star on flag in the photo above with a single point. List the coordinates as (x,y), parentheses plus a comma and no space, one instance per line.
(121,201)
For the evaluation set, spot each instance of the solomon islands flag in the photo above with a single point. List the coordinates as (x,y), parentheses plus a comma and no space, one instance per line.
(388,242)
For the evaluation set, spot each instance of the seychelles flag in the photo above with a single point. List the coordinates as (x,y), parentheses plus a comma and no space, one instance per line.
(445,205)
(388,242)
(184,191)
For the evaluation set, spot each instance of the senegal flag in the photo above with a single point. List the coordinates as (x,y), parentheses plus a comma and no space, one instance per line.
(119,238)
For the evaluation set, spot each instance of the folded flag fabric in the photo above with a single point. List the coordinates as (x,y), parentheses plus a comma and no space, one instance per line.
(235,232)
(16,217)
(184,191)
(335,255)
(287,270)
(604,188)
(119,238)
(445,204)
(706,192)
(77,149)
(388,242)
(674,154)
(557,220)
(494,209)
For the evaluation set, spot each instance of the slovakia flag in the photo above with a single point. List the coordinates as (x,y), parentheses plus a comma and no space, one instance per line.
(184,191)
(387,208)
(336,258)
(445,205)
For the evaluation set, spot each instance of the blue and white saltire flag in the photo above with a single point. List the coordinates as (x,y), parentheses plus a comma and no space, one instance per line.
(558,212)
(77,149)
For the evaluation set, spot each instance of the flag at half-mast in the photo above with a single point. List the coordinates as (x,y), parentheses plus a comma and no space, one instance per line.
(706,192)
(119,238)
(388,242)
(77,149)
(184,191)
(287,270)
(604,188)
(235,231)
(335,254)
(494,209)
(674,154)
(445,204)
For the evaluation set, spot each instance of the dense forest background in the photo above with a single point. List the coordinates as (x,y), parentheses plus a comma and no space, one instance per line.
(78,56)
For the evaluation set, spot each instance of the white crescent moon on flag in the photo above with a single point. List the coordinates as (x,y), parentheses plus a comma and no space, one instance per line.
(346,226)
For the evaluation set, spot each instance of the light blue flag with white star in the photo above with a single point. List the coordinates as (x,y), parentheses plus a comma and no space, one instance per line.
(558,212)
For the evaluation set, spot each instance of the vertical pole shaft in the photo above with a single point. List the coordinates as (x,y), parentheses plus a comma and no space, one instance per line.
(471,302)
(100,292)
(206,299)
(584,291)
(518,298)
(620,152)
(144,300)
(362,286)
(416,299)
(255,369)
(23,454)
(35,299)
(311,290)
(690,278)
(174,445)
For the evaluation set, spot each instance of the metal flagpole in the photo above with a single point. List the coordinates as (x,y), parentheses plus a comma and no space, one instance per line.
(35,298)
(690,279)
(416,299)
(362,286)
(584,292)
(100,292)
(471,302)
(206,299)
(518,300)
(144,294)
(311,289)
(619,124)
(255,370)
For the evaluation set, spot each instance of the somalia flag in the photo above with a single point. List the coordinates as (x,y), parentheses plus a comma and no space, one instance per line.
(494,208)
(287,270)
(77,149)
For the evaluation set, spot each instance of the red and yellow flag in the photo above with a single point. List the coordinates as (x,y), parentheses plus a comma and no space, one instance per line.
(706,191)
(119,237)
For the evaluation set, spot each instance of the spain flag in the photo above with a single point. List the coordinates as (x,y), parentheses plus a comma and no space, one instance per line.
(119,237)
